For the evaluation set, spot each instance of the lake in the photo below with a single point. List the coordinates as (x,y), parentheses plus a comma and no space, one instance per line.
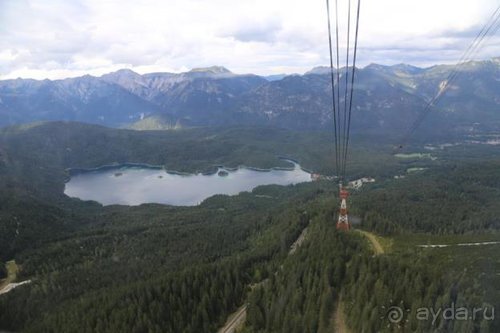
(129,185)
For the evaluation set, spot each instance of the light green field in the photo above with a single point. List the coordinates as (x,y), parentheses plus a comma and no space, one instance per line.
(12,270)
(379,244)
(414,155)
(411,170)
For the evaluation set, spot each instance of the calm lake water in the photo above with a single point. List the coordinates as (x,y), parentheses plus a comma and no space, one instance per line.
(138,185)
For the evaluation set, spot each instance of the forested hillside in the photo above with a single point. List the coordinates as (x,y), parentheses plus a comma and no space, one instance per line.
(186,269)
(334,268)
(154,267)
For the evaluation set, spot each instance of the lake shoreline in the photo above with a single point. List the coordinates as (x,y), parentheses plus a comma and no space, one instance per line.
(135,184)
(116,166)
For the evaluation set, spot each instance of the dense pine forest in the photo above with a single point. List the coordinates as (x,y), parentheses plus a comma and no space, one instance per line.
(335,268)
(158,268)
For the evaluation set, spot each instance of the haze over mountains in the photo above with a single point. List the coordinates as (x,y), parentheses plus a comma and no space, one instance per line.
(386,98)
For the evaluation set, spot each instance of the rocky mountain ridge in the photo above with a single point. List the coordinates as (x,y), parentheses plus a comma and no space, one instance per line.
(386,98)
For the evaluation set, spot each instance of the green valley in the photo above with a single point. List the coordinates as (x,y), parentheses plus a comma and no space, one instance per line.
(158,268)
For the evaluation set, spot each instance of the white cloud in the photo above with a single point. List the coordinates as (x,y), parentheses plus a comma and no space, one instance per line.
(56,38)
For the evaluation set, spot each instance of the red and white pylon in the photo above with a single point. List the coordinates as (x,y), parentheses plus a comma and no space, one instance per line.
(343,221)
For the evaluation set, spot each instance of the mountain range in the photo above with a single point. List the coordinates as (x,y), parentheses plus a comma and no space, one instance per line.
(386,98)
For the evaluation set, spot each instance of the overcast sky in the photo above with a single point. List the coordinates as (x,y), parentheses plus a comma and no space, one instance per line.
(65,38)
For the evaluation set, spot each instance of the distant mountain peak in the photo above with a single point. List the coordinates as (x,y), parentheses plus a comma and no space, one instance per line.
(124,72)
(397,69)
(375,66)
(404,66)
(319,70)
(409,69)
(211,70)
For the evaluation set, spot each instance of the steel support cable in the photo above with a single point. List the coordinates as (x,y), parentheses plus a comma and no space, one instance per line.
(493,22)
(473,49)
(470,52)
(339,119)
(451,77)
(337,156)
(465,55)
(346,80)
(435,100)
(352,85)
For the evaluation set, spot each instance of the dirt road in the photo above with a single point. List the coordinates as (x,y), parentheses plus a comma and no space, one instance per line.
(235,320)
(339,319)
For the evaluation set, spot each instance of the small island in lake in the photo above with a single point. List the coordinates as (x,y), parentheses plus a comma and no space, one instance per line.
(118,174)
(223,173)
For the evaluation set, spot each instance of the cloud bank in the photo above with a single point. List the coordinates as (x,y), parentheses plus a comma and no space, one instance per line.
(56,38)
